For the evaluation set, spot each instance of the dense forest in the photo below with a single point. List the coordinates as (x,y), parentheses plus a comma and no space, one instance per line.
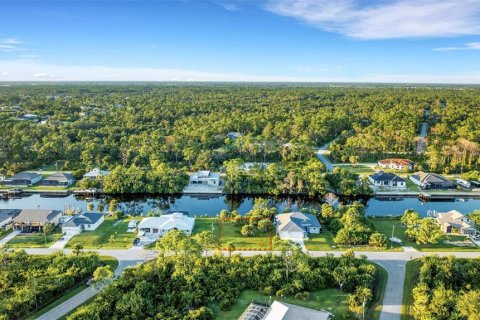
(447,289)
(180,128)
(187,285)
(29,282)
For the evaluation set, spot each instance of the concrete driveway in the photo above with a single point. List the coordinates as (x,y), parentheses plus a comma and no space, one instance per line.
(9,237)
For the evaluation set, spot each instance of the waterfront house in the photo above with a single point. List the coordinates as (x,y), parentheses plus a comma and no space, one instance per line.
(396,164)
(431,181)
(387,180)
(23,179)
(205,178)
(36,219)
(152,228)
(84,221)
(6,216)
(95,173)
(456,222)
(58,179)
(296,225)
(282,311)
(233,135)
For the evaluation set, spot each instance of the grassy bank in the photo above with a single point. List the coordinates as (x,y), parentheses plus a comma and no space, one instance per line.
(411,278)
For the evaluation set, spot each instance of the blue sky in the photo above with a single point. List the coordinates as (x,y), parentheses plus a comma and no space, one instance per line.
(221,40)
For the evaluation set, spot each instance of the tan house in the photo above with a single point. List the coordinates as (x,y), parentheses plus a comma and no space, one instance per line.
(396,164)
(455,222)
(35,220)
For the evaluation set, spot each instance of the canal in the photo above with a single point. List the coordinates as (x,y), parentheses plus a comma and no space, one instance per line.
(211,206)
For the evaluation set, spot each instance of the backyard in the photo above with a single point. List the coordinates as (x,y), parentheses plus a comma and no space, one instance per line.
(111,234)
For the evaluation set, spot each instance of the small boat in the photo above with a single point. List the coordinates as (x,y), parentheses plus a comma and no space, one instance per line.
(396,240)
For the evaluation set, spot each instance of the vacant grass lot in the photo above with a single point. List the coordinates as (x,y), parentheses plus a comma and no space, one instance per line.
(360,169)
(386,227)
(320,242)
(111,234)
(35,240)
(231,233)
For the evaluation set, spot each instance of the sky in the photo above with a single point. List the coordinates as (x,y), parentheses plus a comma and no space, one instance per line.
(405,41)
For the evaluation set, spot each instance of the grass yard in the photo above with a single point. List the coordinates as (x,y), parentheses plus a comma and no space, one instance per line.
(360,169)
(411,278)
(111,234)
(35,240)
(386,226)
(330,300)
(4,233)
(320,242)
(377,303)
(231,233)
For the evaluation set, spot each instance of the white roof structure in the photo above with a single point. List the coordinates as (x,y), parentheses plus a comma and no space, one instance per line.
(175,220)
(286,311)
(95,173)
(205,174)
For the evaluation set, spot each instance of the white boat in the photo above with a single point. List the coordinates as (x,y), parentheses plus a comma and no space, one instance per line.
(396,240)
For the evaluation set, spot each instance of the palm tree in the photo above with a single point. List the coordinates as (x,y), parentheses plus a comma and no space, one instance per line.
(230,247)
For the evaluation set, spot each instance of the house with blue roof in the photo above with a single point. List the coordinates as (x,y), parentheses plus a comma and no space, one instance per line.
(296,225)
(84,221)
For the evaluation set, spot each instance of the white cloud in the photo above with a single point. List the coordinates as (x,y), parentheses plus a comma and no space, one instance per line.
(467,46)
(227,5)
(318,69)
(10,44)
(18,70)
(385,19)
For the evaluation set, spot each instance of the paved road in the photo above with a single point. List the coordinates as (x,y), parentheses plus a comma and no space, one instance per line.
(421,145)
(321,152)
(393,262)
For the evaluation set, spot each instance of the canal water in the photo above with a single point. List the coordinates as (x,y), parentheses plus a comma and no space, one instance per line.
(211,206)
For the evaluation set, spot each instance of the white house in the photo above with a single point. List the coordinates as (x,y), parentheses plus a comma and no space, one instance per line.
(85,221)
(95,173)
(205,177)
(282,311)
(152,228)
(396,164)
(387,180)
(296,225)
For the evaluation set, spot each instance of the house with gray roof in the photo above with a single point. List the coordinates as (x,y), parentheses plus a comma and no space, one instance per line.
(36,219)
(387,180)
(6,216)
(85,221)
(296,225)
(23,179)
(431,181)
(283,311)
(58,179)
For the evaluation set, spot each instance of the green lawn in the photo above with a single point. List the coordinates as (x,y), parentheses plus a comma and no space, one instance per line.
(231,233)
(386,227)
(361,169)
(111,261)
(35,240)
(411,278)
(320,242)
(377,303)
(330,300)
(4,233)
(107,236)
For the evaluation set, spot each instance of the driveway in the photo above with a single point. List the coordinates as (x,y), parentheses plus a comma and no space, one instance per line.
(9,237)
(62,242)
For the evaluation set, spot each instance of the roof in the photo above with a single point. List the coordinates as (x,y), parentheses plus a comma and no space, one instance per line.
(455,219)
(85,218)
(60,177)
(294,221)
(287,311)
(432,178)
(7,213)
(254,311)
(396,161)
(175,220)
(205,174)
(25,175)
(33,215)
(383,176)
(96,172)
